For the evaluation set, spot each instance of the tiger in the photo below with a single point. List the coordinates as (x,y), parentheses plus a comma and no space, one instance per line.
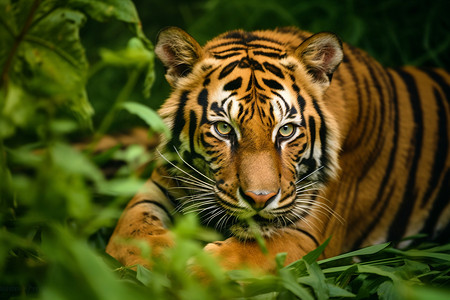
(297,138)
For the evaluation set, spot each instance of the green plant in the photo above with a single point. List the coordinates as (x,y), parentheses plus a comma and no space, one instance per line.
(54,198)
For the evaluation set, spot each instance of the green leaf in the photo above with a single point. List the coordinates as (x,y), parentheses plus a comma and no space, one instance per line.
(8,31)
(103,10)
(414,292)
(344,278)
(148,115)
(314,255)
(337,292)
(378,271)
(72,261)
(261,286)
(136,54)
(411,269)
(365,251)
(280,258)
(73,161)
(316,280)
(289,282)
(121,187)
(45,62)
(144,275)
(422,253)
(300,266)
(387,291)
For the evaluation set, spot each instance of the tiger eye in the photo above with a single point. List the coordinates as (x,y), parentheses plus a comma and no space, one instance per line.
(223,128)
(286,130)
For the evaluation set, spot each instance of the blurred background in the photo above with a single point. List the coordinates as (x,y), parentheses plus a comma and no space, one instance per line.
(395,32)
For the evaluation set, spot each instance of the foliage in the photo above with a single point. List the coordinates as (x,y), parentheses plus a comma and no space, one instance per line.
(61,60)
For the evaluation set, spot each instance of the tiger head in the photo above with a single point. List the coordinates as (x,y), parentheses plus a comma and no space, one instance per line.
(250,125)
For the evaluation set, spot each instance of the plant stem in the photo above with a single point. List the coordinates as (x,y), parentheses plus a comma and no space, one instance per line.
(20,37)
(121,98)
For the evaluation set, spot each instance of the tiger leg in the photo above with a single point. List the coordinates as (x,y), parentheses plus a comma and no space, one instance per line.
(144,219)
(235,254)
(295,241)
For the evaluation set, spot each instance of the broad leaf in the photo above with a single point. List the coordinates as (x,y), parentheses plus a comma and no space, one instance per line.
(148,115)
(45,63)
(103,10)
(289,282)
(365,251)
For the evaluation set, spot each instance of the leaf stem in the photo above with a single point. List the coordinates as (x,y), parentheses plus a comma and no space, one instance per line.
(122,97)
(19,39)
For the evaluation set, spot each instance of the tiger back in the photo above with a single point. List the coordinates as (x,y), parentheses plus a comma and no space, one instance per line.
(304,136)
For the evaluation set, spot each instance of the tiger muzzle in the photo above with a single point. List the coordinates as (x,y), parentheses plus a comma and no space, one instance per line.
(258,200)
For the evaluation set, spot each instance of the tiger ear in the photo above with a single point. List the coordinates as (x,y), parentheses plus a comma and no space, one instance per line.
(178,51)
(321,54)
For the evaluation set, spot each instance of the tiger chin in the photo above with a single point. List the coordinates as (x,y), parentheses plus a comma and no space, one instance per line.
(295,137)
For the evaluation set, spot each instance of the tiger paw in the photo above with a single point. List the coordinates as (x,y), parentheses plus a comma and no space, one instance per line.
(131,252)
(234,254)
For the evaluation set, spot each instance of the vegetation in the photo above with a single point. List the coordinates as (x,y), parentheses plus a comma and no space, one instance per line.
(61,60)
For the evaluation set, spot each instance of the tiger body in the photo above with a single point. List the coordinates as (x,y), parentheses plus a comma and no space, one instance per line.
(308,137)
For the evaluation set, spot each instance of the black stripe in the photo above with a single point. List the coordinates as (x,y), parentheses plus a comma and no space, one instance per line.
(367,113)
(323,138)
(398,226)
(440,81)
(179,121)
(375,220)
(273,84)
(202,100)
(233,54)
(218,110)
(246,43)
(349,65)
(301,103)
(274,70)
(247,37)
(269,54)
(377,123)
(443,236)
(228,69)
(192,128)
(441,201)
(393,150)
(308,235)
(166,193)
(440,155)
(234,49)
(233,85)
(156,203)
(312,130)
(205,144)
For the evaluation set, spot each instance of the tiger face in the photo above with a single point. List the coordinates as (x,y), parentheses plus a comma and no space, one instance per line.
(249,124)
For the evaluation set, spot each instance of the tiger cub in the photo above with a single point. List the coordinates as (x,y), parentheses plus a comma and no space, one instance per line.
(300,134)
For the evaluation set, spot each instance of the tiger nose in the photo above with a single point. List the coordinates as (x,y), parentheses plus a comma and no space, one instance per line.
(259,199)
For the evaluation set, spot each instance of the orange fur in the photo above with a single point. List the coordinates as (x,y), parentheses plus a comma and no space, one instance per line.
(371,143)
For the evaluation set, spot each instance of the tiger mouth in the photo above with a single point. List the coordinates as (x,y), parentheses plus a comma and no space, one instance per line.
(250,224)
(224,214)
(246,229)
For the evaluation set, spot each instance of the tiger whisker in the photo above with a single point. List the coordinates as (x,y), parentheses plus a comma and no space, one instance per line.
(304,220)
(198,172)
(190,181)
(303,178)
(181,170)
(322,206)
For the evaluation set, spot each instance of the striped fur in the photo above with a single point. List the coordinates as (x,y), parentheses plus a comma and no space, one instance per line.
(267,127)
